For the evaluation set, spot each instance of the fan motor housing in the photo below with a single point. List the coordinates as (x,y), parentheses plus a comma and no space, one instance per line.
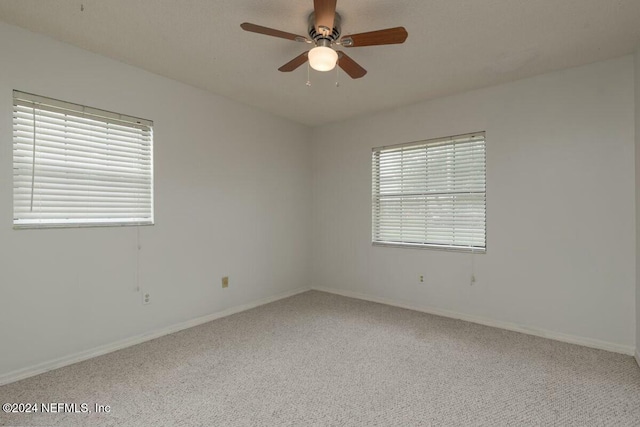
(327,38)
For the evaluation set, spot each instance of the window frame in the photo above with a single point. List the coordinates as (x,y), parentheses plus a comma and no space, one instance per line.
(427,245)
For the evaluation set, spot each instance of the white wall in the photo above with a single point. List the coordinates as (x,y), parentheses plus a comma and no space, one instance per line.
(637,111)
(560,206)
(231,198)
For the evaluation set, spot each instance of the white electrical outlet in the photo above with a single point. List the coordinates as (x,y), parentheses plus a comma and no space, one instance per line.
(146,298)
(473,279)
(421,278)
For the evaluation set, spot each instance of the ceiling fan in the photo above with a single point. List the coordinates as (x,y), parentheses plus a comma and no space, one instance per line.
(325,33)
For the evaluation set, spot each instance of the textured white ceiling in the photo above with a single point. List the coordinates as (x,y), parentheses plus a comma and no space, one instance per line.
(453,45)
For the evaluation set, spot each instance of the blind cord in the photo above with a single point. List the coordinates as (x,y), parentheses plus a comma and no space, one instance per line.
(138,247)
(473,266)
(33,158)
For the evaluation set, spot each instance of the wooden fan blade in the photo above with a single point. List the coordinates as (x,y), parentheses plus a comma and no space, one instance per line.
(325,13)
(395,35)
(350,66)
(271,32)
(294,63)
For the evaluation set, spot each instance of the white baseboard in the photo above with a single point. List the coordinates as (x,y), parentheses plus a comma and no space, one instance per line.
(558,336)
(638,358)
(40,368)
(128,342)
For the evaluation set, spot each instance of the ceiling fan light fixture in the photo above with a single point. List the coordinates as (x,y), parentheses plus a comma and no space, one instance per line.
(323,58)
(325,30)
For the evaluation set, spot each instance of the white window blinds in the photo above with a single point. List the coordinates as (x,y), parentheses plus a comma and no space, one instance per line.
(431,193)
(79,166)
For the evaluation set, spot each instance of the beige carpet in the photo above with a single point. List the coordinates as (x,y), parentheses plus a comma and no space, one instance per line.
(323,360)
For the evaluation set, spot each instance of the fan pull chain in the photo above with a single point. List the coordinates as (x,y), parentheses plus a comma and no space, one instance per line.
(337,73)
(308,75)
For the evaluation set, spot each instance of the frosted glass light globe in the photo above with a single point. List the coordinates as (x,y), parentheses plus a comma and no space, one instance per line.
(322,58)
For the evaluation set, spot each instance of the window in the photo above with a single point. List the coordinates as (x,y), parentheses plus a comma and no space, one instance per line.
(431,194)
(79,166)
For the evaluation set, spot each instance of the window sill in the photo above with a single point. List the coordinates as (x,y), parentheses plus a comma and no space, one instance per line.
(432,247)
(82,225)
